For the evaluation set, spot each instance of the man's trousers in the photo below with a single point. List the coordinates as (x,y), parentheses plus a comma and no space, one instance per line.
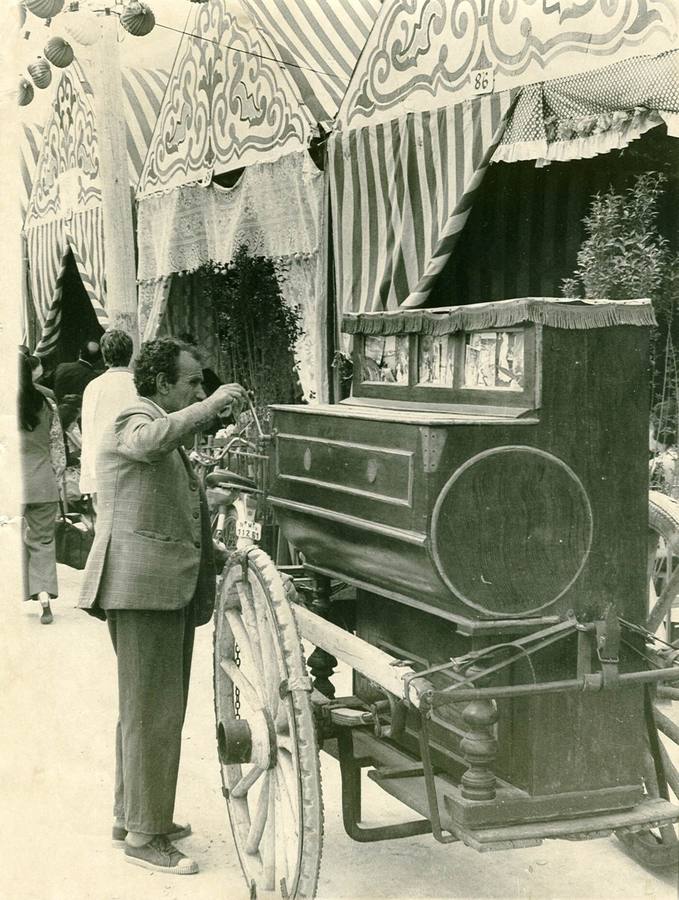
(154,651)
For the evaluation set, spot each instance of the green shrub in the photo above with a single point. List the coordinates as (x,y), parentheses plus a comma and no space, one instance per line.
(624,256)
(257,329)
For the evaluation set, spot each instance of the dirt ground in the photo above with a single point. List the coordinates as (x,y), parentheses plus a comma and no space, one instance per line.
(59,711)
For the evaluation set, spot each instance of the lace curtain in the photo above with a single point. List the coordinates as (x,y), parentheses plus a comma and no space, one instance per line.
(277,210)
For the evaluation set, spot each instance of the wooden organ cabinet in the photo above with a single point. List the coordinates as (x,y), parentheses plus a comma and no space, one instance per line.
(488,478)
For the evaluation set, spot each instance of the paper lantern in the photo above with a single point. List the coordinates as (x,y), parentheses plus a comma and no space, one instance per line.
(59,52)
(44,9)
(137,18)
(25,92)
(40,72)
(82,25)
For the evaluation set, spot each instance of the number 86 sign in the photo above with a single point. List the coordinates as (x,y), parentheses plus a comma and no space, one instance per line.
(482,81)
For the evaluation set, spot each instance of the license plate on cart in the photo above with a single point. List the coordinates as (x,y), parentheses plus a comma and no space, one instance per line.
(250,530)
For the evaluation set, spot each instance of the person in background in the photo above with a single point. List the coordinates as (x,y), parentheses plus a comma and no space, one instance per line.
(43,460)
(73,377)
(151,575)
(37,372)
(104,398)
(69,413)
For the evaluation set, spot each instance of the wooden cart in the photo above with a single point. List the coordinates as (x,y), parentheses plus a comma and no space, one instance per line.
(473,530)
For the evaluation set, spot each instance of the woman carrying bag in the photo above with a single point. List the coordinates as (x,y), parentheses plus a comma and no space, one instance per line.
(43,460)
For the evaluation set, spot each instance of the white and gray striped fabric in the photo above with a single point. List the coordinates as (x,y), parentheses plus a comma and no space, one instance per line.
(322,39)
(48,247)
(143,90)
(30,142)
(401,193)
(49,242)
(51,323)
(85,233)
(45,246)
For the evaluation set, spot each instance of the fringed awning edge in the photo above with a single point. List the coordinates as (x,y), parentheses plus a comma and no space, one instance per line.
(570,139)
(555,313)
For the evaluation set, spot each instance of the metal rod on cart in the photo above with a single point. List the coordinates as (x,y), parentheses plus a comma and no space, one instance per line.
(386,671)
(589,683)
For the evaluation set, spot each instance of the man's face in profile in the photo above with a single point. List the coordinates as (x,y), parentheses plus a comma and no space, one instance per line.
(188,387)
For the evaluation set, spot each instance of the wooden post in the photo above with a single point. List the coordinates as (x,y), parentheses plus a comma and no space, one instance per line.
(479,747)
(321,663)
(121,282)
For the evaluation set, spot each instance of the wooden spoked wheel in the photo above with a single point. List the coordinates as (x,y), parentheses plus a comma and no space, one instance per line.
(265,731)
(663,560)
(658,847)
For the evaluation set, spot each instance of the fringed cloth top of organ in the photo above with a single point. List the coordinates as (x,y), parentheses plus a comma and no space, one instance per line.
(552,311)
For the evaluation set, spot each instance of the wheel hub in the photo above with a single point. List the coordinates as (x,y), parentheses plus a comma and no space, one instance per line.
(248,741)
(234,742)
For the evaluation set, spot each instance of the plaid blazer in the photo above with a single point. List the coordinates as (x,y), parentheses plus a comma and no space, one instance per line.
(152,546)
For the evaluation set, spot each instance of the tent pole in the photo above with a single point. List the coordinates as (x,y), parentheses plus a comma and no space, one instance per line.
(119,259)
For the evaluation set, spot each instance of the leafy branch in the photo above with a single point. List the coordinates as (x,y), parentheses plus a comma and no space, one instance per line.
(257,328)
(624,256)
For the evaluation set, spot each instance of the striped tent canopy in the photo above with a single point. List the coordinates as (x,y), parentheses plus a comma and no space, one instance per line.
(402,189)
(64,210)
(251,81)
(228,103)
(437,90)
(434,53)
(324,38)
(30,142)
(253,84)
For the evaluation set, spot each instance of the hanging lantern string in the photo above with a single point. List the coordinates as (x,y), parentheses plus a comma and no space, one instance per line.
(281,62)
(199,37)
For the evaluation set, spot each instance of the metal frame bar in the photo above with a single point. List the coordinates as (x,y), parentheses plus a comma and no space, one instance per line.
(430,784)
(350,771)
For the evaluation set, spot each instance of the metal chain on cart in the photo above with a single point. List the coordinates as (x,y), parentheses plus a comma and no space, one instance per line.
(236,692)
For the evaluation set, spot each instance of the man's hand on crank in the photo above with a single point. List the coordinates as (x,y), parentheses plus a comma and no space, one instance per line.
(228,399)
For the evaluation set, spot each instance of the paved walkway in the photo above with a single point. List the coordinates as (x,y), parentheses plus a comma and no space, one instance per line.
(58,712)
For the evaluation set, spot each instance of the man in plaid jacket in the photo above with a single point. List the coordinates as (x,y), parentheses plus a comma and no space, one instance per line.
(151,574)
